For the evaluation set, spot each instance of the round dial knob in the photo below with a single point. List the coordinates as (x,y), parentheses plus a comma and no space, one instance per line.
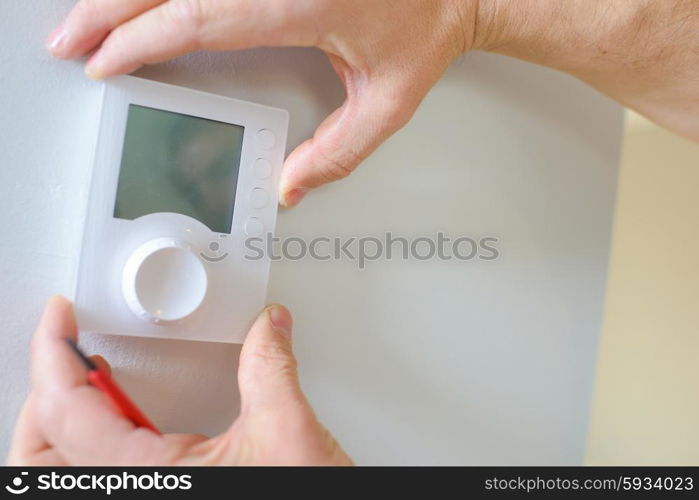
(163,281)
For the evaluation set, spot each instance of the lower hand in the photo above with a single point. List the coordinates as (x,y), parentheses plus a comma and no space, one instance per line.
(65,421)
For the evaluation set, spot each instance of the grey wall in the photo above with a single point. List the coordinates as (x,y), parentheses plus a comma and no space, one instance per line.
(406,362)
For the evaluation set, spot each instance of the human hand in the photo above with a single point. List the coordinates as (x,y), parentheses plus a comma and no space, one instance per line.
(65,421)
(388,54)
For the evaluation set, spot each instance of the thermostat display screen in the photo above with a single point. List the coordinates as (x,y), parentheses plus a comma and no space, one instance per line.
(179,163)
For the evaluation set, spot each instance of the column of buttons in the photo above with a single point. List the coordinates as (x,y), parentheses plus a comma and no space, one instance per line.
(261,169)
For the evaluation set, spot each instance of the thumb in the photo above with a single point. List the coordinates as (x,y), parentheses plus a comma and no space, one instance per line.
(367,118)
(267,375)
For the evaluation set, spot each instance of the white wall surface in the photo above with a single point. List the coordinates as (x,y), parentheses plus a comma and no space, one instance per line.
(406,362)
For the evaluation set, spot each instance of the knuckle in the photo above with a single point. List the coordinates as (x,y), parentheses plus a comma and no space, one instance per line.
(339,163)
(91,14)
(117,38)
(118,41)
(274,357)
(189,13)
(189,16)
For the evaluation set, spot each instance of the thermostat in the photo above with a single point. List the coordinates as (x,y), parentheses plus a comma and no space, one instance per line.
(180,179)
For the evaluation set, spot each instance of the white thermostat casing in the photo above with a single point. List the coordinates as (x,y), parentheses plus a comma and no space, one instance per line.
(181,179)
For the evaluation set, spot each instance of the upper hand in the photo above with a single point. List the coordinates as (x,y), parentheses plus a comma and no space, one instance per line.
(388,54)
(65,421)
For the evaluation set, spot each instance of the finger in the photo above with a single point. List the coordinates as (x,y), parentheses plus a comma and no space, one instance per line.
(76,419)
(27,440)
(28,444)
(267,374)
(367,118)
(83,427)
(102,364)
(89,22)
(53,363)
(178,27)
(57,317)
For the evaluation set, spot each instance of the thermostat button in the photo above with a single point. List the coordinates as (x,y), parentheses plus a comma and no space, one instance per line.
(266,139)
(254,227)
(163,281)
(259,198)
(262,168)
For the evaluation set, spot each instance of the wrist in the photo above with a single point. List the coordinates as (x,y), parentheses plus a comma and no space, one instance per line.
(463,19)
(643,54)
(575,36)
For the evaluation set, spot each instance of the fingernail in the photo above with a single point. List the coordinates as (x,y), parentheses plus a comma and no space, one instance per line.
(281,320)
(94,67)
(56,39)
(294,197)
